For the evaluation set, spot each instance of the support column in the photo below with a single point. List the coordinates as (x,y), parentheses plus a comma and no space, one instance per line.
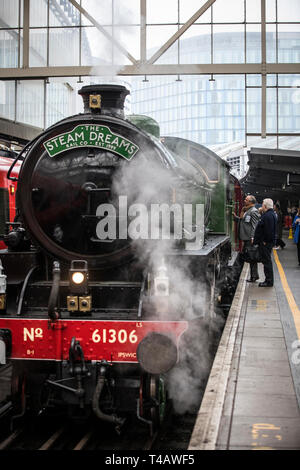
(263,71)
(26,34)
(143,38)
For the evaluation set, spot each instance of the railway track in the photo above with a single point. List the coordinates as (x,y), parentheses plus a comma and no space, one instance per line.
(48,432)
(174,434)
(59,439)
(93,436)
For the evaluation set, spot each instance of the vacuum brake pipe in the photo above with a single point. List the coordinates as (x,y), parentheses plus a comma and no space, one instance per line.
(95,403)
(52,304)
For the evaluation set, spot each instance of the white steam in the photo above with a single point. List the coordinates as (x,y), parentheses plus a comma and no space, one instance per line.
(145,181)
(112,41)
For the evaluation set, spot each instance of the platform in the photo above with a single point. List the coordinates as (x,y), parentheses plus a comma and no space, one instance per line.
(252,396)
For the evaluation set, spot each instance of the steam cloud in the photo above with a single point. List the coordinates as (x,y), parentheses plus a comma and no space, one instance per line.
(145,181)
(110,57)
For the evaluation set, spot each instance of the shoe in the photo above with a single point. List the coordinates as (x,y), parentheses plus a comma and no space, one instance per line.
(252,279)
(265,284)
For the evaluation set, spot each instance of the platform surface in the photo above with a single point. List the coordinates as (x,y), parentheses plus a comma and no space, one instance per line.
(259,407)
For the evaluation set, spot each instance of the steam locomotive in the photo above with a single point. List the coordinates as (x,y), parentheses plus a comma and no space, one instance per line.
(91,318)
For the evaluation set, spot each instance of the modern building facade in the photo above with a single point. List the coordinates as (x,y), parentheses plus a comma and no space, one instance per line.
(224,108)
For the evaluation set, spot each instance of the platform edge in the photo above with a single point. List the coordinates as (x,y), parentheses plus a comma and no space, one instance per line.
(206,429)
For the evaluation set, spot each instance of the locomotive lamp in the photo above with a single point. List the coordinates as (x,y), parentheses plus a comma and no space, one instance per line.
(79,277)
(161,290)
(5,344)
(95,101)
(79,285)
(161,282)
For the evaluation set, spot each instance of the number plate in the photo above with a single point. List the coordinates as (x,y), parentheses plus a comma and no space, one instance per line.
(114,341)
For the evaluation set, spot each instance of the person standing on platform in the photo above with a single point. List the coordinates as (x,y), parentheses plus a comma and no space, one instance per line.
(296,229)
(264,236)
(294,212)
(279,242)
(247,221)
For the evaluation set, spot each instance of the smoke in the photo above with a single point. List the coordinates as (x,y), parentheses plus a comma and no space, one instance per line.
(113,41)
(145,181)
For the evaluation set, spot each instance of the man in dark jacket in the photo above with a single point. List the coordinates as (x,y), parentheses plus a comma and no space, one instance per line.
(264,236)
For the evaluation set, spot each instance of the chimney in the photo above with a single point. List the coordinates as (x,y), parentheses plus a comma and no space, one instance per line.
(104,99)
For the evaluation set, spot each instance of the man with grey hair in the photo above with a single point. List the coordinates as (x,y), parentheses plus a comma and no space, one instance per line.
(247,221)
(264,236)
(269,204)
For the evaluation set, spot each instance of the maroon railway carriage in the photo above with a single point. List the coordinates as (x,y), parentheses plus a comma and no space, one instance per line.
(7,191)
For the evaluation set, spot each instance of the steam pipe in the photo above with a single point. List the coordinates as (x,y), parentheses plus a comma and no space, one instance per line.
(95,404)
(25,283)
(52,304)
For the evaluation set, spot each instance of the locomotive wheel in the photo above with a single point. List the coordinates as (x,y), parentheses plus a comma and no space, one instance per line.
(153,399)
(37,393)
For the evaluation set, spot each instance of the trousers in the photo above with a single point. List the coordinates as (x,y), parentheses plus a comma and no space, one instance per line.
(298,250)
(266,252)
(280,242)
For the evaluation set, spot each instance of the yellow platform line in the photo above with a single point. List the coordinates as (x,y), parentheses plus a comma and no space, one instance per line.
(288,293)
